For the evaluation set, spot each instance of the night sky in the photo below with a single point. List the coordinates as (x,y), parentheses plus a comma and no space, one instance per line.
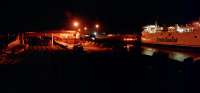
(114,15)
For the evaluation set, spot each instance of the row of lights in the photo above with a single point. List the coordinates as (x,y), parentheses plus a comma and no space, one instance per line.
(76,24)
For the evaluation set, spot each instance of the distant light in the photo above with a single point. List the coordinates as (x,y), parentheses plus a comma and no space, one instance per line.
(109,35)
(171,28)
(85,28)
(76,24)
(92,38)
(79,29)
(129,39)
(95,33)
(144,39)
(151,28)
(180,29)
(97,25)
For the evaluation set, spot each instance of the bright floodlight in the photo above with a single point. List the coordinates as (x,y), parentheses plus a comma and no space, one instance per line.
(76,24)
(97,25)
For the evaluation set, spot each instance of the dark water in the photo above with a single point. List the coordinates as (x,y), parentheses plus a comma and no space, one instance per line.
(127,69)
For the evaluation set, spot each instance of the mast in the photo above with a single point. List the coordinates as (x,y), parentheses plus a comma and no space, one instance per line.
(156,23)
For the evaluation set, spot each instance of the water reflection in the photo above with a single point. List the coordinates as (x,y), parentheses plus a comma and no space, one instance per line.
(148,51)
(178,56)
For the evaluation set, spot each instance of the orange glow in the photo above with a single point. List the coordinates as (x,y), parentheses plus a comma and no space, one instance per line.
(85,28)
(77,35)
(76,24)
(109,35)
(97,26)
(79,29)
(129,39)
(66,35)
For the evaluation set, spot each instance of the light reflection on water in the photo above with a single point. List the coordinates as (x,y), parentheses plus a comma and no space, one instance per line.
(128,46)
(178,56)
(149,51)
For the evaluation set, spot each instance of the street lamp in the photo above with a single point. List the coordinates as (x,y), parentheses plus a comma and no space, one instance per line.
(76,24)
(97,26)
(97,29)
(85,28)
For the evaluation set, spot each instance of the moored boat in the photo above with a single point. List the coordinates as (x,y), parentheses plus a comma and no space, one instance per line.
(188,35)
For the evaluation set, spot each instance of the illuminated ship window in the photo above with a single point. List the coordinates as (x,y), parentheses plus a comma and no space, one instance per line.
(152,28)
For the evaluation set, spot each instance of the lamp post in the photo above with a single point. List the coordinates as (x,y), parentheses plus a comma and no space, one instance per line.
(97,27)
(76,25)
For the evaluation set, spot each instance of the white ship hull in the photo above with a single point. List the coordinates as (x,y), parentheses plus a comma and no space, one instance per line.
(188,39)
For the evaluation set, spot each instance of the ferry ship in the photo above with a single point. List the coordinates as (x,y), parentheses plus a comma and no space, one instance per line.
(187,35)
